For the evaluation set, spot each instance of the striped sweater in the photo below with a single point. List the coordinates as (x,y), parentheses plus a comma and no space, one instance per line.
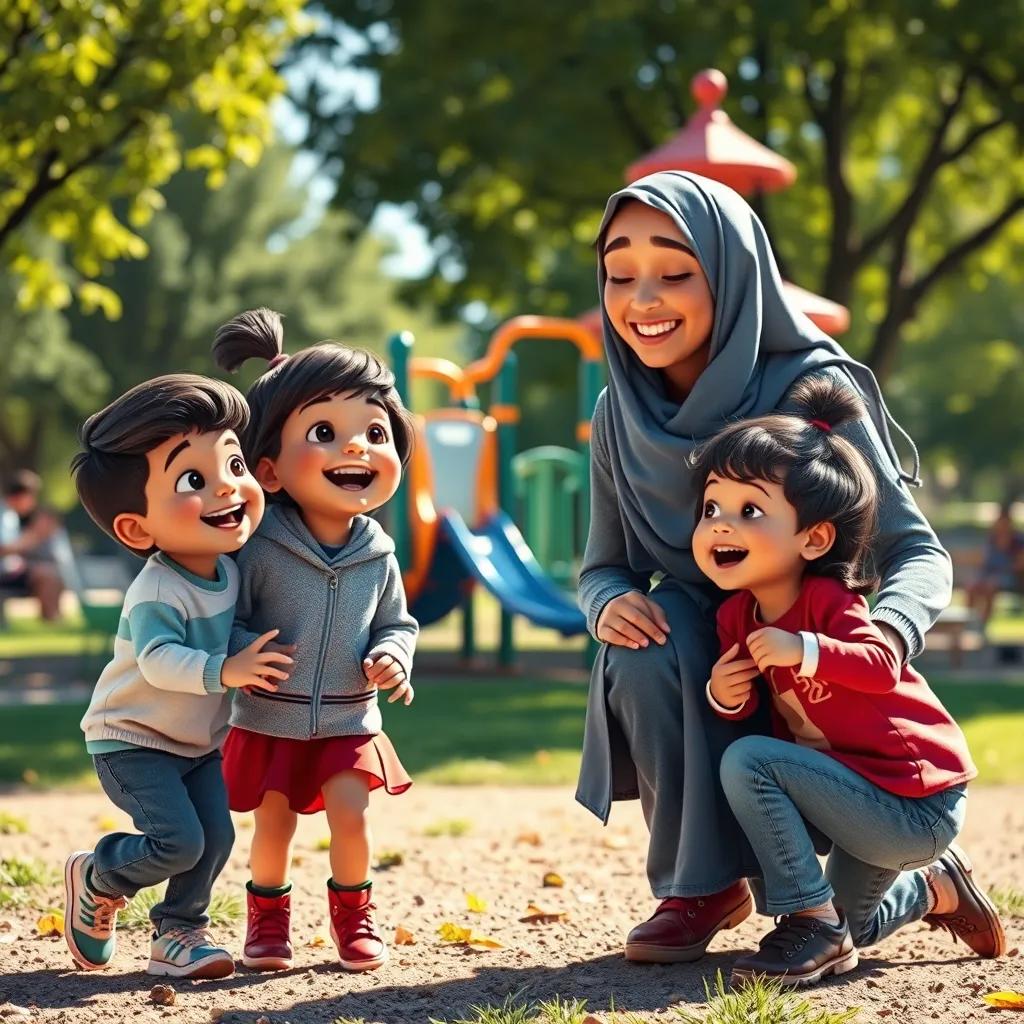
(162,688)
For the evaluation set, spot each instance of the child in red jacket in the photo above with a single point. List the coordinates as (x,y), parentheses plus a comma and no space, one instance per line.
(864,755)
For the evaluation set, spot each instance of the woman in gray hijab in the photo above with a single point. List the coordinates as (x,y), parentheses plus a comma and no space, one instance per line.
(697,334)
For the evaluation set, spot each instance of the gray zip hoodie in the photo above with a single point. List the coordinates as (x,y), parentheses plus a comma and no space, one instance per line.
(337,611)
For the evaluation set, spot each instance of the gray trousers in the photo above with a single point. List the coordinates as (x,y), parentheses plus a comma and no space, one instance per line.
(650,733)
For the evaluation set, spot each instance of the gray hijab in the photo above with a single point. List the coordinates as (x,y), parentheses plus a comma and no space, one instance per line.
(759,347)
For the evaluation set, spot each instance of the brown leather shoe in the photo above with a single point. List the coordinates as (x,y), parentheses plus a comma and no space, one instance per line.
(975,919)
(682,927)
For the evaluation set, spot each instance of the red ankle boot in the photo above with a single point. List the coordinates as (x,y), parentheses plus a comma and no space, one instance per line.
(268,945)
(354,930)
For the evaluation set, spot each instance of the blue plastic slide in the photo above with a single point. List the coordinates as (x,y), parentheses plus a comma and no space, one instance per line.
(497,556)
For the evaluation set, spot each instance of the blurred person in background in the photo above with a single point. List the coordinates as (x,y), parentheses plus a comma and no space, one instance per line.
(27,536)
(1002,569)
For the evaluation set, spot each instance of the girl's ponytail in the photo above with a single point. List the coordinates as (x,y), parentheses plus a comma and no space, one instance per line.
(825,402)
(254,334)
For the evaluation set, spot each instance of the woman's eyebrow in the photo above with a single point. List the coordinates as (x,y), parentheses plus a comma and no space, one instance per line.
(670,243)
(622,242)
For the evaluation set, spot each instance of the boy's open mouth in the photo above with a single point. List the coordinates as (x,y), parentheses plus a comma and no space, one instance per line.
(351,478)
(226,518)
(726,557)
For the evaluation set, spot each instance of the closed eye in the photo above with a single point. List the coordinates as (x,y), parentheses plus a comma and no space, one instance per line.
(678,277)
(620,280)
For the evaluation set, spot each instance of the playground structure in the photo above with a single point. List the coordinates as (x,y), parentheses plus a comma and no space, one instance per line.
(455,516)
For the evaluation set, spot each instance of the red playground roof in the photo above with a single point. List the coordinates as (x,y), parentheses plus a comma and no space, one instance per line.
(710,144)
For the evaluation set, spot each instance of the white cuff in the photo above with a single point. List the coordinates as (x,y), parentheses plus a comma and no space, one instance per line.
(720,708)
(809,664)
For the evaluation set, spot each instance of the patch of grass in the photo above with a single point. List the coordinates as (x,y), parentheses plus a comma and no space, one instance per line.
(497,731)
(453,827)
(511,1011)
(11,824)
(1009,900)
(225,908)
(323,843)
(19,880)
(760,1002)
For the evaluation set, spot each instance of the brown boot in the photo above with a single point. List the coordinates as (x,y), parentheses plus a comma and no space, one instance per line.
(682,926)
(975,919)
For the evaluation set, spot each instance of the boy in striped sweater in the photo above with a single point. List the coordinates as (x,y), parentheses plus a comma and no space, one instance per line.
(162,472)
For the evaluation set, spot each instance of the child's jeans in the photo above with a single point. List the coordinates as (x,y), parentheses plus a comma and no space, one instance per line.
(782,793)
(180,806)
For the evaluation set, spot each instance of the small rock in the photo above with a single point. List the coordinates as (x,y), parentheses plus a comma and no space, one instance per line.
(162,995)
(217,1013)
(262,1020)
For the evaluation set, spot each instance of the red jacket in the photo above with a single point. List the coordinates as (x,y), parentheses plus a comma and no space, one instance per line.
(862,706)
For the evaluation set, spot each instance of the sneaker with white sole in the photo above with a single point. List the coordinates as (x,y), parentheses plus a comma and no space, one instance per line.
(188,953)
(90,917)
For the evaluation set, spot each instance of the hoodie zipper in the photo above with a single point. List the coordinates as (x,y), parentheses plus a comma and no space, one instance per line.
(318,685)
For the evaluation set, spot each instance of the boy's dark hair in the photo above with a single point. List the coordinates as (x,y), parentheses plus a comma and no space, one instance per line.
(329,368)
(823,476)
(111,473)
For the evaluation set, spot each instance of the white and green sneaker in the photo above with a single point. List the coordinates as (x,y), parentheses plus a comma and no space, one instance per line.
(188,953)
(90,917)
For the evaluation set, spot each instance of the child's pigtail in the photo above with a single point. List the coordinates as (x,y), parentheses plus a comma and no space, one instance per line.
(254,334)
(825,402)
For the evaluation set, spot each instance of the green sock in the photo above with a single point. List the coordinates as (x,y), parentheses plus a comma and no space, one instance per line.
(269,892)
(332,884)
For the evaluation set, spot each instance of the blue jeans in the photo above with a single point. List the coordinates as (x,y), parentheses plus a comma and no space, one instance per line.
(180,806)
(782,794)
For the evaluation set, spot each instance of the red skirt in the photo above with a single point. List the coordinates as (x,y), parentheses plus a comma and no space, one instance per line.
(255,764)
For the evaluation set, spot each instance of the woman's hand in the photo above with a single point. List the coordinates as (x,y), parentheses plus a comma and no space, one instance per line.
(632,620)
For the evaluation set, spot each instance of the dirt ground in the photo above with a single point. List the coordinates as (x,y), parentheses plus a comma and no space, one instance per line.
(514,837)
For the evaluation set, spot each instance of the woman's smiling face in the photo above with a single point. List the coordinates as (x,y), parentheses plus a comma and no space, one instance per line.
(656,294)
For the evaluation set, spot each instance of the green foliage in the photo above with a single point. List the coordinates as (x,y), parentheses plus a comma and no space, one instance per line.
(211,255)
(511,1011)
(760,1002)
(19,877)
(88,136)
(452,827)
(225,908)
(903,119)
(1009,900)
(11,824)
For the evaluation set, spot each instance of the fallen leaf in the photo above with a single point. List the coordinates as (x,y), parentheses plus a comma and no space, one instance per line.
(390,859)
(477,905)
(542,756)
(51,924)
(323,843)
(317,941)
(1005,1000)
(538,915)
(106,824)
(404,937)
(162,995)
(30,776)
(451,932)
(613,842)
(553,880)
(532,838)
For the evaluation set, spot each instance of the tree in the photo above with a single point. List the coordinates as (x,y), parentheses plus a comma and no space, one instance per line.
(86,133)
(904,118)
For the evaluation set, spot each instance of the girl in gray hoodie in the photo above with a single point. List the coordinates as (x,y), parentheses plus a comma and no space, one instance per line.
(328,439)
